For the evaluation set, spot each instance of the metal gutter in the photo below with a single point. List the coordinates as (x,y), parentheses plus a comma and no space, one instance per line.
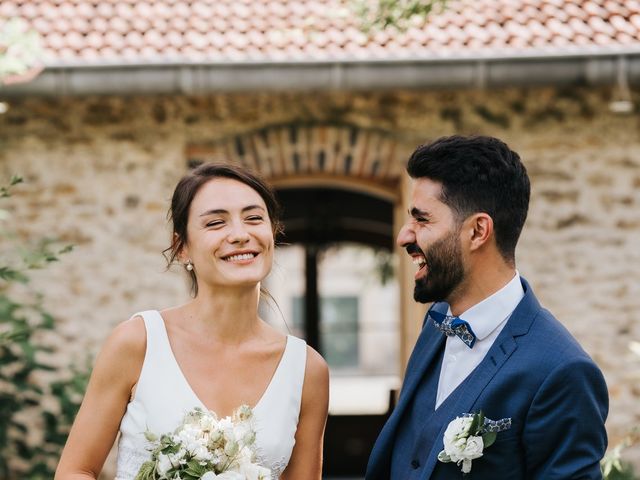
(596,67)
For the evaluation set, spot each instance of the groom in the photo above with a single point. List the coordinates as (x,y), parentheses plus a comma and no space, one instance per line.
(486,344)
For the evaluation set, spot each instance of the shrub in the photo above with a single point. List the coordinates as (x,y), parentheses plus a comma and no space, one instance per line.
(37,402)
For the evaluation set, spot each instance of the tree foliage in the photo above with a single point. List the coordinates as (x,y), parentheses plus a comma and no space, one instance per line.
(397,14)
(20,51)
(37,400)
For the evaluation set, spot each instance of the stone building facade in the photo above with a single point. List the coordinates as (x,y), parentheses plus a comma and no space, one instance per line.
(100,170)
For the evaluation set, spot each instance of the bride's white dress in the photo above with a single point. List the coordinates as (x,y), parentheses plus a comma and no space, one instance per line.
(163,396)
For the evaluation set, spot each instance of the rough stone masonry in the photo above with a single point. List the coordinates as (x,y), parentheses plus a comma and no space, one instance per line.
(99,173)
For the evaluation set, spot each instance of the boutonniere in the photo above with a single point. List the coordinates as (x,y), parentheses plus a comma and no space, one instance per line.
(467,436)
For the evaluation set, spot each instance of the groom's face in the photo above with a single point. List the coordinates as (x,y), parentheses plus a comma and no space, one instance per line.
(431,237)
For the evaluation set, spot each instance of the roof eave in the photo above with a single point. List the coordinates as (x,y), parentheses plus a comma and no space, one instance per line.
(590,68)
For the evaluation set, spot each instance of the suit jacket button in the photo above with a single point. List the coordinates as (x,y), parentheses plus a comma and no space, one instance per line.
(415,464)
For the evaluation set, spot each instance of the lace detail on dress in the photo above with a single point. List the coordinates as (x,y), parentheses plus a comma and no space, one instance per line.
(276,467)
(129,461)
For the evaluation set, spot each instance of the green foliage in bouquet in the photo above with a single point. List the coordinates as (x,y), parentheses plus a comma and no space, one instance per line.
(32,429)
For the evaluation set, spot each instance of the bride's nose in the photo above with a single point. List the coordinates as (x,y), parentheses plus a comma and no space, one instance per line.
(238,233)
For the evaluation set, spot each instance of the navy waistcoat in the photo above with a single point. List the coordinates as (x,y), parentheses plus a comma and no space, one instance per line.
(421,424)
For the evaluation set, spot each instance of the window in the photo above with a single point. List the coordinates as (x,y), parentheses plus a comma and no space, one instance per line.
(338,329)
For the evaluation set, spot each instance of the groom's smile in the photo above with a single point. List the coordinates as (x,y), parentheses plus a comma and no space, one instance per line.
(418,259)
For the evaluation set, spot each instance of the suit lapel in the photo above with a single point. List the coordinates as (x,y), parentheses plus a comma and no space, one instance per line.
(429,343)
(471,390)
(518,325)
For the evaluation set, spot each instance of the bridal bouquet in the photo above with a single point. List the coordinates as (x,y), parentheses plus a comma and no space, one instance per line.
(204,447)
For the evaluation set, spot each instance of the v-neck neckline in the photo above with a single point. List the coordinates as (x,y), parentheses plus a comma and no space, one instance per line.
(190,389)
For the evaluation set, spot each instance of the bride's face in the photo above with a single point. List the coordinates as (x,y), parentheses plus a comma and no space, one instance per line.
(230,237)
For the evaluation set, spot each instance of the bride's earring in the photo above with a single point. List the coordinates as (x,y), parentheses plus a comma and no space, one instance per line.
(188,266)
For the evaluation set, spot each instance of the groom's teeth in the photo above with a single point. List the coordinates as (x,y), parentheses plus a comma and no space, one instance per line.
(244,256)
(419,261)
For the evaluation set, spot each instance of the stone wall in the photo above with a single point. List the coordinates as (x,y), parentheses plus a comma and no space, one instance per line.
(100,172)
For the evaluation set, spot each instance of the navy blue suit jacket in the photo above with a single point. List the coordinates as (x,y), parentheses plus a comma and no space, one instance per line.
(537,374)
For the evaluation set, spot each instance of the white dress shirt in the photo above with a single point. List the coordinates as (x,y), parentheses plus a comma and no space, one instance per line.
(487,319)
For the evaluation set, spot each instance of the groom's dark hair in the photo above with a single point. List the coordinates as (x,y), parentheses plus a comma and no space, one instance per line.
(478,174)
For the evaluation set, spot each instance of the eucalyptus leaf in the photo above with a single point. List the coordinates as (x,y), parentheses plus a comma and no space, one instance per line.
(146,471)
(488,438)
(475,424)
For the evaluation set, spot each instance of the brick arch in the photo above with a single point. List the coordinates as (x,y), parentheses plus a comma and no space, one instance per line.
(290,155)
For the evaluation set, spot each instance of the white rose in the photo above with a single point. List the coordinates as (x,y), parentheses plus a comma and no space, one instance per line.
(455,440)
(474,448)
(177,458)
(202,454)
(191,446)
(209,476)
(251,471)
(205,422)
(454,447)
(189,434)
(459,427)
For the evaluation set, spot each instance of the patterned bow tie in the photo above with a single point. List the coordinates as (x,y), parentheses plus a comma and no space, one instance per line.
(451,326)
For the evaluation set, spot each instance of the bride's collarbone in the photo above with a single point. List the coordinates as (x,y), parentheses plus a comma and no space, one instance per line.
(226,377)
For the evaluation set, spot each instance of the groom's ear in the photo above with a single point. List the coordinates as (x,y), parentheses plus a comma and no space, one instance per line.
(480,229)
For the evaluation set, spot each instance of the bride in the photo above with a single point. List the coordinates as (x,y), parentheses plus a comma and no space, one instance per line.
(213,352)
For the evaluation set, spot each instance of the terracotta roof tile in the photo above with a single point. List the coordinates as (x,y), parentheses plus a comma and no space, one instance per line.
(93,31)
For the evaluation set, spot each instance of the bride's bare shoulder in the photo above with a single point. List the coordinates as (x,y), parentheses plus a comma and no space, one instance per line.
(316,376)
(128,339)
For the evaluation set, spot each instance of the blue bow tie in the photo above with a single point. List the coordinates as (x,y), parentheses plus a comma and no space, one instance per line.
(451,326)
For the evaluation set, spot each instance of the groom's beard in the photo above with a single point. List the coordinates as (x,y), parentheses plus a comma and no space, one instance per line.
(445,270)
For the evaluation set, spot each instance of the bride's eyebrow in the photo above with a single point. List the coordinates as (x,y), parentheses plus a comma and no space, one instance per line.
(253,207)
(222,211)
(218,211)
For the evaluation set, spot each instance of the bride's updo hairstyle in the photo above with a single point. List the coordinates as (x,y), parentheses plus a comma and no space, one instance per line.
(188,187)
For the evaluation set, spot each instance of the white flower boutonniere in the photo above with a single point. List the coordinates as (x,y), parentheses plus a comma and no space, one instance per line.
(467,436)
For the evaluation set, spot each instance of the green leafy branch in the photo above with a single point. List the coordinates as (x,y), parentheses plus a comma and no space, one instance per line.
(398,14)
(26,406)
(612,465)
(20,49)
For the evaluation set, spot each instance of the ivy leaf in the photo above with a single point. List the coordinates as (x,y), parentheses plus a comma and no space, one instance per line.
(195,469)
(15,179)
(12,275)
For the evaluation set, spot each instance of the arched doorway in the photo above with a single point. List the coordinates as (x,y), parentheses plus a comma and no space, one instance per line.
(321,217)
(335,283)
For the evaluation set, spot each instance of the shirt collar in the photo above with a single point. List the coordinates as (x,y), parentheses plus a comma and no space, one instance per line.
(486,316)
